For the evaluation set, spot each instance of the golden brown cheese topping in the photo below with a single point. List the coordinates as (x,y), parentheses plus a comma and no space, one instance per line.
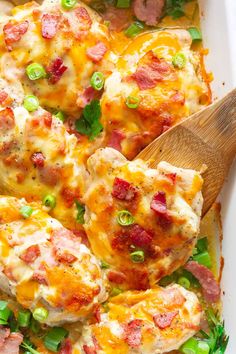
(142,222)
(45,265)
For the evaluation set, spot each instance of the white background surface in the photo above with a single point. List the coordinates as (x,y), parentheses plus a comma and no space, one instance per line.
(219,32)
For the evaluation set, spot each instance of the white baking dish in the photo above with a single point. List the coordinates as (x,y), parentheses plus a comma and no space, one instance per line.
(219,33)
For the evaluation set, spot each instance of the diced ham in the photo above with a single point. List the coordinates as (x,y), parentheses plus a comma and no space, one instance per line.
(13,32)
(149,11)
(86,96)
(30,254)
(49,25)
(12,344)
(40,277)
(139,237)
(50,175)
(38,159)
(4,333)
(56,69)
(123,190)
(115,139)
(7,119)
(119,19)
(66,347)
(84,19)
(63,241)
(3,96)
(97,52)
(89,350)
(116,277)
(147,76)
(158,203)
(210,287)
(164,320)
(132,333)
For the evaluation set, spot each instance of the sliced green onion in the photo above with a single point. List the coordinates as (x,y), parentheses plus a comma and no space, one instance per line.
(5,314)
(167,280)
(203,347)
(27,344)
(97,80)
(3,305)
(23,318)
(179,60)
(31,103)
(106,306)
(115,291)
(132,102)
(34,326)
(35,71)
(125,218)
(54,337)
(134,29)
(68,4)
(189,347)
(202,244)
(40,314)
(184,282)
(49,201)
(123,4)
(104,265)
(80,212)
(195,34)
(137,256)
(26,211)
(203,258)
(60,115)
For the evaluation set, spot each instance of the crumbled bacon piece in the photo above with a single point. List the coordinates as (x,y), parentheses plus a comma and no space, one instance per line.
(7,119)
(172,177)
(40,277)
(49,25)
(158,203)
(66,347)
(149,11)
(139,237)
(13,32)
(63,241)
(89,350)
(164,320)
(116,277)
(69,195)
(3,96)
(86,96)
(50,175)
(11,343)
(132,333)
(97,52)
(56,69)
(115,139)
(38,159)
(30,254)
(84,18)
(123,190)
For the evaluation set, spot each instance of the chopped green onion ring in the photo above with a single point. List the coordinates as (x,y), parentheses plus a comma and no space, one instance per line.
(35,71)
(125,218)
(40,314)
(183,281)
(179,60)
(134,29)
(54,337)
(26,211)
(137,256)
(132,102)
(68,4)
(31,103)
(49,201)
(97,80)
(195,34)
(23,318)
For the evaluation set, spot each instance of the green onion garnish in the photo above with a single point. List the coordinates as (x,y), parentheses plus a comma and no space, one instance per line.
(179,60)
(115,291)
(80,212)
(134,29)
(202,244)
(5,312)
(184,282)
(97,80)
(54,337)
(31,103)
(23,318)
(29,346)
(104,265)
(203,347)
(203,258)
(68,4)
(125,218)
(35,71)
(60,115)
(26,211)
(123,4)
(132,102)
(34,326)
(137,256)
(49,201)
(189,347)
(40,314)
(195,34)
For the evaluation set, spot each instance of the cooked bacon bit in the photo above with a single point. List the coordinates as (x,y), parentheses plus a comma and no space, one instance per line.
(56,69)
(12,343)
(89,350)
(86,97)
(178,97)
(158,203)
(81,234)
(7,119)
(62,240)
(13,32)
(116,277)
(38,159)
(172,177)
(47,118)
(139,237)
(164,320)
(115,139)
(66,347)
(3,96)
(49,25)
(8,272)
(97,52)
(132,333)
(149,11)
(97,314)
(69,196)
(4,333)
(40,277)
(84,18)
(123,190)
(210,287)
(50,175)
(139,279)
(147,76)
(30,254)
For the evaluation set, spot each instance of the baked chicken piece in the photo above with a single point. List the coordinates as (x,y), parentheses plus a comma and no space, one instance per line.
(38,158)
(155,321)
(142,222)
(45,265)
(53,52)
(158,81)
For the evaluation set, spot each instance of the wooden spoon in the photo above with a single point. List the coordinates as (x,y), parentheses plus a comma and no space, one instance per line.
(207,138)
